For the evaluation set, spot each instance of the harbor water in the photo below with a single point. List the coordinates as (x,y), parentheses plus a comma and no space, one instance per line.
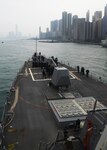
(14,53)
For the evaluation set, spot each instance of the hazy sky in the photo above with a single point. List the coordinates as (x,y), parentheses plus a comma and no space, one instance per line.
(30,14)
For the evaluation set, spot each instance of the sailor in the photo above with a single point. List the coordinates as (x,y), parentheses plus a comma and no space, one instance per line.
(83,71)
(87,73)
(77,124)
(78,68)
(56,61)
(44,73)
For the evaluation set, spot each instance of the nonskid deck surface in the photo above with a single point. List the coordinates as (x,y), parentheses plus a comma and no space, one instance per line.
(33,120)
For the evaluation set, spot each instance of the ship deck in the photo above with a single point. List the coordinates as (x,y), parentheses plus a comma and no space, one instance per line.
(33,123)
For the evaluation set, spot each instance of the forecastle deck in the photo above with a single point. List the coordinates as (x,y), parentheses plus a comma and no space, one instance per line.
(31,124)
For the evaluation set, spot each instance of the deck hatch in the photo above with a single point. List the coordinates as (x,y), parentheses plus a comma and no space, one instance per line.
(73,109)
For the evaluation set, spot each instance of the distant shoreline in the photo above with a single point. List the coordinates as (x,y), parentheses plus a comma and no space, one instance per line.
(50,41)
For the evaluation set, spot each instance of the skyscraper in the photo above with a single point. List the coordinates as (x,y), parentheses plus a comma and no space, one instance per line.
(54,26)
(69,25)
(105,10)
(97,15)
(75,27)
(40,32)
(99,31)
(87,26)
(104,24)
(87,16)
(81,29)
(64,25)
(96,24)
(60,28)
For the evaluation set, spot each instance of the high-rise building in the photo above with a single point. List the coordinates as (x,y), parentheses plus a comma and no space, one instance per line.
(47,33)
(105,10)
(69,25)
(99,27)
(60,29)
(104,24)
(40,32)
(88,16)
(94,31)
(87,26)
(64,25)
(54,26)
(75,28)
(90,31)
(81,29)
(97,15)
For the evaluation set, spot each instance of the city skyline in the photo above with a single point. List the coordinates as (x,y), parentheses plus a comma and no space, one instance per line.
(30,14)
(73,28)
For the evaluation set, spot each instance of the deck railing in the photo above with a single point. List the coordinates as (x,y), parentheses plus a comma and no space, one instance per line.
(92,74)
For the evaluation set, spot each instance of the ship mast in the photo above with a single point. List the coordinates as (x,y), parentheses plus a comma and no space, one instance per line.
(36,44)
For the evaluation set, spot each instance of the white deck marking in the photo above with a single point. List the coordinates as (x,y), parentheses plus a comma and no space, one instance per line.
(15,100)
(31,74)
(74,76)
(48,79)
(60,95)
(37,73)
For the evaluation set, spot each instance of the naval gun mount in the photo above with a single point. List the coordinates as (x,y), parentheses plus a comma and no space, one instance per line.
(60,77)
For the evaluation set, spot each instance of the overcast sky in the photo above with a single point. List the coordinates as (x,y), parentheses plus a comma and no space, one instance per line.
(30,14)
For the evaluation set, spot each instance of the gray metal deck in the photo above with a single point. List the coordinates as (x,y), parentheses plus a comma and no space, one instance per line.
(33,118)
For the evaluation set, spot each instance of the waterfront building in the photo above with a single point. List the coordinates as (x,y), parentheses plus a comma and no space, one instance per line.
(97,15)
(90,31)
(60,29)
(81,29)
(69,25)
(99,29)
(96,26)
(88,16)
(87,26)
(64,25)
(54,25)
(47,33)
(43,35)
(105,10)
(39,32)
(104,24)
(75,28)
(104,27)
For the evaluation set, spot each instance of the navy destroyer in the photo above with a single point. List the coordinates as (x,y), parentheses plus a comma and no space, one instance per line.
(51,106)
